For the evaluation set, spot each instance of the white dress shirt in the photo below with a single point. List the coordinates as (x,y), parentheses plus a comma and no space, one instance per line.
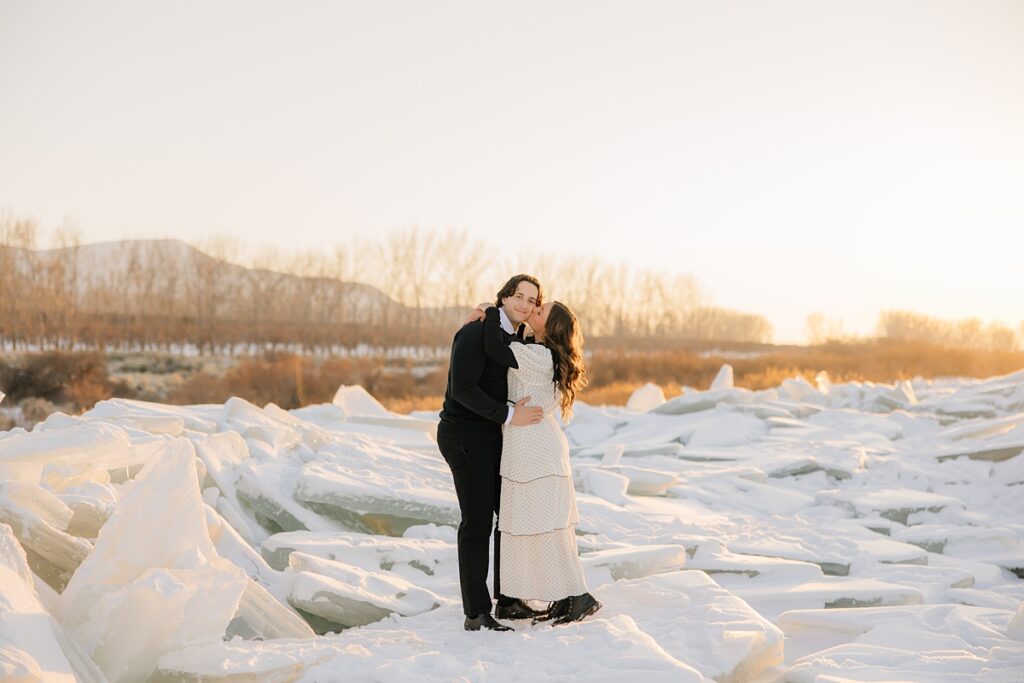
(506,325)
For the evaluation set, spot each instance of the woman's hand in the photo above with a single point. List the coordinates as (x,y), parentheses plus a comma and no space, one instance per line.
(478,312)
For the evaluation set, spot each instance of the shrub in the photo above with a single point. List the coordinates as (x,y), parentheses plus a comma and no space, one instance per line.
(35,410)
(52,374)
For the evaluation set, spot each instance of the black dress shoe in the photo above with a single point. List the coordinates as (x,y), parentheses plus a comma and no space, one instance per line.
(580,606)
(555,610)
(485,621)
(517,610)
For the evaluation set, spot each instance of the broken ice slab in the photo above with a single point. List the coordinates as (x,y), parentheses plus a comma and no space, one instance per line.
(774,416)
(312,435)
(38,519)
(717,560)
(33,645)
(591,426)
(669,449)
(345,595)
(198,418)
(1011,559)
(849,422)
(373,489)
(639,432)
(901,395)
(601,482)
(281,660)
(935,537)
(747,495)
(222,453)
(82,444)
(412,435)
(634,562)
(933,582)
(402,422)
(413,558)
(709,454)
(833,551)
(879,524)
(796,466)
(771,598)
(894,504)
(797,409)
(231,546)
(129,608)
(799,389)
(962,410)
(587,436)
(992,454)
(699,401)
(356,405)
(224,456)
(137,425)
(260,615)
(615,526)
(929,644)
(887,551)
(733,644)
(646,397)
(793,466)
(724,379)
(355,400)
(21,498)
(976,628)
(688,403)
(266,489)
(1015,630)
(92,504)
(644,481)
(253,423)
(724,428)
(983,429)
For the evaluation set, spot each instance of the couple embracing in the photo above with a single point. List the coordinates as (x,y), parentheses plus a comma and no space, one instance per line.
(508,456)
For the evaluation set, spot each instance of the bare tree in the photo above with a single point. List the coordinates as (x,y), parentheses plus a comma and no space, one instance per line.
(18,277)
(207,283)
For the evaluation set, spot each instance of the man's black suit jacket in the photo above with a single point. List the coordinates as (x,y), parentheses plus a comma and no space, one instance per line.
(477,391)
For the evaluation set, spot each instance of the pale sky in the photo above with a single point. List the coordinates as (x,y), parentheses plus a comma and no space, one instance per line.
(842,157)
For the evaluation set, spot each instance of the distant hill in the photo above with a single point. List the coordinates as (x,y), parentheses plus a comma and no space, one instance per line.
(145,292)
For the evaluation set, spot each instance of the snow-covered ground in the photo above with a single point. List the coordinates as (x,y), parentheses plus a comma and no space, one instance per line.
(827,534)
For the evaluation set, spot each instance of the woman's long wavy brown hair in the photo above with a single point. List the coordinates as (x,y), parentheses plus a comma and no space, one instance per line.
(563,337)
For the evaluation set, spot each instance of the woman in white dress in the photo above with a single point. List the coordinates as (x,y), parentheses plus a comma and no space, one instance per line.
(537,510)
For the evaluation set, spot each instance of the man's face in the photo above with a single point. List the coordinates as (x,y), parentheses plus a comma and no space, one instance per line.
(522,304)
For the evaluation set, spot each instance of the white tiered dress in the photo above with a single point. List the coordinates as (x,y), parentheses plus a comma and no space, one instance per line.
(537,511)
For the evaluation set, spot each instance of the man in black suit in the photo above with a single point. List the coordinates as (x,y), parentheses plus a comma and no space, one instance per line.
(469,435)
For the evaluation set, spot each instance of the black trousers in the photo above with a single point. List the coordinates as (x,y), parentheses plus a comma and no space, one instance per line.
(473,454)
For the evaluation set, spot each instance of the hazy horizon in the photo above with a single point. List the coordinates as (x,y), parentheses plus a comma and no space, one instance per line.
(794,158)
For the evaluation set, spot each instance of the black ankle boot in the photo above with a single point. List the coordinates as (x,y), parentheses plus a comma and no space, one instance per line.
(555,610)
(580,606)
(516,610)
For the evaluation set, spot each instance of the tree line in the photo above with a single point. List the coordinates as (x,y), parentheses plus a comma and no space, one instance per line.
(969,333)
(408,289)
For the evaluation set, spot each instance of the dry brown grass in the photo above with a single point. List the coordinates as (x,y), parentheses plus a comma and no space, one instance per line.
(618,393)
(877,361)
(292,381)
(405,405)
